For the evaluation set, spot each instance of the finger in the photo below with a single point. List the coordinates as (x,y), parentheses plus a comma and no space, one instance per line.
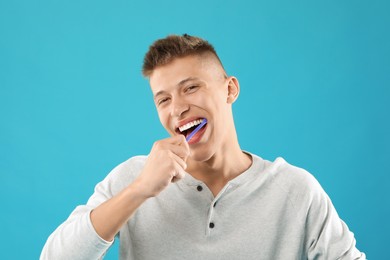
(177,144)
(180,173)
(173,140)
(178,160)
(177,139)
(185,143)
(180,150)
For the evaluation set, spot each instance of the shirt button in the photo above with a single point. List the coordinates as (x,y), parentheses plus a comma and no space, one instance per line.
(199,188)
(211,225)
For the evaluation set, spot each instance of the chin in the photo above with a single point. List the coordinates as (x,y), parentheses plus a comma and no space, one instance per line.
(201,155)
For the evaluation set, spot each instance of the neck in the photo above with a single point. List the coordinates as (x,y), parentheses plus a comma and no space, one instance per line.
(227,163)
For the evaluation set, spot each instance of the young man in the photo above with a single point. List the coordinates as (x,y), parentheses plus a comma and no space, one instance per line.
(202,198)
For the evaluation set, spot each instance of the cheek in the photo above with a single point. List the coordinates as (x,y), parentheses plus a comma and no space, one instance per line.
(204,100)
(217,104)
(163,119)
(160,116)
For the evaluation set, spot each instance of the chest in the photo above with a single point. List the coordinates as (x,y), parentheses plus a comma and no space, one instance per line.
(192,224)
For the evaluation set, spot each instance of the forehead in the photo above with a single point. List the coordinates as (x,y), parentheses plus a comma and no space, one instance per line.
(201,67)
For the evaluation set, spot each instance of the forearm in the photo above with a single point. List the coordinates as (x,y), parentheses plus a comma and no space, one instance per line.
(88,232)
(108,218)
(75,239)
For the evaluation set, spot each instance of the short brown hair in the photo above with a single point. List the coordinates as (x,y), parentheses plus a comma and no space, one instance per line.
(163,51)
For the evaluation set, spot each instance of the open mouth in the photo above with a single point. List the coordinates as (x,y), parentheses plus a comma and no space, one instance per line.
(189,127)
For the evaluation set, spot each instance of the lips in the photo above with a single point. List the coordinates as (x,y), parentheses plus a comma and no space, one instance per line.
(185,127)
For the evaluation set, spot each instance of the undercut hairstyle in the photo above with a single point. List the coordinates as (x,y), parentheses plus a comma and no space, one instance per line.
(165,50)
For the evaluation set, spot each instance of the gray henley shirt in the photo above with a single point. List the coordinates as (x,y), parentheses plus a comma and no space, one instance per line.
(273,210)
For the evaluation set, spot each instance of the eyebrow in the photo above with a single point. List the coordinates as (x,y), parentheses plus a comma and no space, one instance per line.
(181,83)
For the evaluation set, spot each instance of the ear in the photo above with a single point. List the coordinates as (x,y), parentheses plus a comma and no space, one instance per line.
(233,89)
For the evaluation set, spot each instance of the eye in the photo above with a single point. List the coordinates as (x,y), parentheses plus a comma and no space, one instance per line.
(191,88)
(162,101)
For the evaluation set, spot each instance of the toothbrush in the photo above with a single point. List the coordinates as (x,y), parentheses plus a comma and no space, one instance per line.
(188,138)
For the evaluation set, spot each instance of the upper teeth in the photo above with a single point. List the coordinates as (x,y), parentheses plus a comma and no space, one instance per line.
(189,125)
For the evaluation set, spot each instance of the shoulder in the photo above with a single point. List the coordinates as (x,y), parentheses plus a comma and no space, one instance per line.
(129,168)
(131,165)
(296,184)
(291,178)
(124,174)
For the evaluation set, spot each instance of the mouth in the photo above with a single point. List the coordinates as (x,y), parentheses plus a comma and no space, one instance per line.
(187,128)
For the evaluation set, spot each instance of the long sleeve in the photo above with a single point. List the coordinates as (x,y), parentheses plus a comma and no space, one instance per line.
(76,238)
(328,236)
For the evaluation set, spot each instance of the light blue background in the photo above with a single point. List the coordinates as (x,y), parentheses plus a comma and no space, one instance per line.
(315,78)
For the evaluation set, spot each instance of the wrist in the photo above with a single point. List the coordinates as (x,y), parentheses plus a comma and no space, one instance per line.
(138,190)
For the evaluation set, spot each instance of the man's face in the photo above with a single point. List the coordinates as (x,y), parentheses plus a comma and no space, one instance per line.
(188,90)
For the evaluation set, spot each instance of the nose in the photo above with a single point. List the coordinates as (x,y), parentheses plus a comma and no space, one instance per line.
(179,106)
